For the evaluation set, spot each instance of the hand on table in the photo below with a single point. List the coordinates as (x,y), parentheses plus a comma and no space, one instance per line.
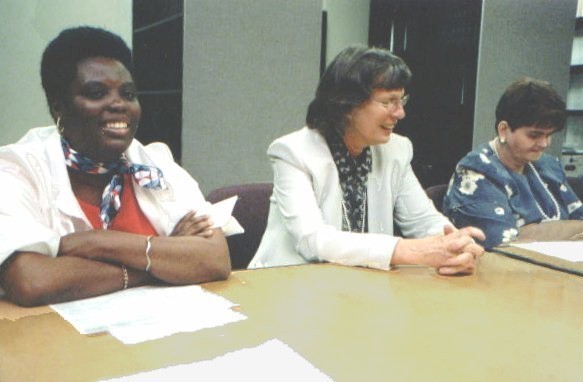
(454,252)
(465,251)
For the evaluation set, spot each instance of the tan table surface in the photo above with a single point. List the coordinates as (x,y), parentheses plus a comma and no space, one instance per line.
(513,321)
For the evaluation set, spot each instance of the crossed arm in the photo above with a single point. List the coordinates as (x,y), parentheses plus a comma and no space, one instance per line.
(90,263)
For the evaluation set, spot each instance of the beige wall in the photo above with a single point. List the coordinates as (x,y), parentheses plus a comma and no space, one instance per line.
(250,69)
(26,26)
(348,22)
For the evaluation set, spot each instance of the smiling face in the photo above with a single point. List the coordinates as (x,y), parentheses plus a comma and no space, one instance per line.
(525,144)
(101,116)
(373,122)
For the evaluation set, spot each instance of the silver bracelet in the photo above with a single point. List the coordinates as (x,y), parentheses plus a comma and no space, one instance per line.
(126,278)
(148,253)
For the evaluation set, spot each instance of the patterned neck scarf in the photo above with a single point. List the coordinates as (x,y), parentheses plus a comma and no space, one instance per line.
(353,174)
(146,176)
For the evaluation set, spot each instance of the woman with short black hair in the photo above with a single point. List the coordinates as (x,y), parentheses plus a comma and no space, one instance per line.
(509,185)
(86,209)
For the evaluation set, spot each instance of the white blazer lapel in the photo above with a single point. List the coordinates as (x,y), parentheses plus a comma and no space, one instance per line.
(326,182)
(380,196)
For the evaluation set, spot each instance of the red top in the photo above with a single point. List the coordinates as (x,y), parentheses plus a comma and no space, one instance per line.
(129,218)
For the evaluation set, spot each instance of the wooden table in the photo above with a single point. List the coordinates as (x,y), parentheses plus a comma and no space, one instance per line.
(513,321)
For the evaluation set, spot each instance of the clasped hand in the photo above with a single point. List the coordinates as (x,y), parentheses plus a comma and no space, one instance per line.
(461,251)
(454,252)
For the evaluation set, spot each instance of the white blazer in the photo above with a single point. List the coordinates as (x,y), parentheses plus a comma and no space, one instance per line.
(38,205)
(305,215)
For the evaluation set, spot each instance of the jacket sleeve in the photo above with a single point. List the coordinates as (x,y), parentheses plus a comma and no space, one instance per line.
(24,215)
(414,212)
(473,199)
(313,237)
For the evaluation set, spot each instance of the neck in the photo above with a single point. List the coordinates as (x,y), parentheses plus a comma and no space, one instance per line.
(354,147)
(81,178)
(88,187)
(503,153)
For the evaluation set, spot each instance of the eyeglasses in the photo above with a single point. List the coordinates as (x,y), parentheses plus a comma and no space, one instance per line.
(394,103)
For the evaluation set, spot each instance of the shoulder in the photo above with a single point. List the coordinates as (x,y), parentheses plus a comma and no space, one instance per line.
(398,150)
(398,143)
(399,140)
(299,138)
(35,137)
(549,162)
(550,168)
(38,134)
(155,153)
(303,143)
(483,161)
(479,159)
(158,154)
(479,174)
(37,146)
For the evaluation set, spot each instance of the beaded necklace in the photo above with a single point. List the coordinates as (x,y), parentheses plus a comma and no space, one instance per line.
(557,215)
(345,213)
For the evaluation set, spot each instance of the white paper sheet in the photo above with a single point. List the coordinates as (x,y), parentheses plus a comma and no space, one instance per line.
(150,312)
(221,215)
(566,250)
(271,361)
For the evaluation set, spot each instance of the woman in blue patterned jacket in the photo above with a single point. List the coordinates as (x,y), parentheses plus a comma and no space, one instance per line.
(508,185)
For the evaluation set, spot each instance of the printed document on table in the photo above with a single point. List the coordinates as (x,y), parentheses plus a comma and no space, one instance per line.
(271,361)
(566,250)
(150,312)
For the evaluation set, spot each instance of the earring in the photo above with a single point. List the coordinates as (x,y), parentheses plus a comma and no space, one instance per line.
(502,140)
(60,127)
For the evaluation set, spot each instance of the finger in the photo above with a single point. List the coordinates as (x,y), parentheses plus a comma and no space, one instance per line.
(182,223)
(475,249)
(206,234)
(199,218)
(195,227)
(456,244)
(450,271)
(203,221)
(459,260)
(188,216)
(474,232)
(201,225)
(448,228)
(465,264)
(472,247)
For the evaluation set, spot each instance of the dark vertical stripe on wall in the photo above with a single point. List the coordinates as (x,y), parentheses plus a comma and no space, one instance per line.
(158,55)
(323,43)
(439,41)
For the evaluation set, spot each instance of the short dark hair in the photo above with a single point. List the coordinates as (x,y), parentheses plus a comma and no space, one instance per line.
(531,102)
(349,81)
(63,54)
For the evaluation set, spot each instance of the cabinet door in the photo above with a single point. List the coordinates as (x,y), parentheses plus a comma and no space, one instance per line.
(439,41)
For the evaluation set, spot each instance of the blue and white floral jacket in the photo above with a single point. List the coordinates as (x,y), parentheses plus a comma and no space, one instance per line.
(484,193)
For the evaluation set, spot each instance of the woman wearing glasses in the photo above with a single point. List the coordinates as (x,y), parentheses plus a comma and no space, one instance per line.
(341,182)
